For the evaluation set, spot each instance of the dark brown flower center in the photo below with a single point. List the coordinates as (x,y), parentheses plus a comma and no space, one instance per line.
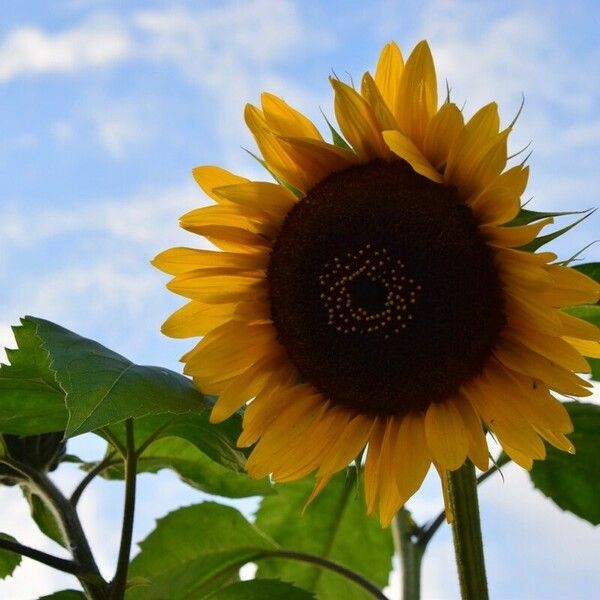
(382,291)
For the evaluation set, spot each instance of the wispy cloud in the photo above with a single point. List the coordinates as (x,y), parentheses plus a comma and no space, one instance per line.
(97,42)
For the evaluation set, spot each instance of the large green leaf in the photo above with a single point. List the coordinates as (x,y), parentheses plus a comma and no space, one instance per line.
(193,549)
(260,589)
(103,387)
(573,481)
(65,595)
(334,526)
(195,468)
(31,401)
(9,561)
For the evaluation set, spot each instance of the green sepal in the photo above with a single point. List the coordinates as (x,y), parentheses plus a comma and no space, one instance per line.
(527,216)
(278,179)
(545,239)
(44,518)
(336,136)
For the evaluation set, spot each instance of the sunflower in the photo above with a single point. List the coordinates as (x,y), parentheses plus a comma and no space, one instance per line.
(376,295)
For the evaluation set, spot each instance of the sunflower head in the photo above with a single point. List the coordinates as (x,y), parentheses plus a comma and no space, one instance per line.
(378,294)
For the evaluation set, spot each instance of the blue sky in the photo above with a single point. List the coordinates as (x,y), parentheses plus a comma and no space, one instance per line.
(106,107)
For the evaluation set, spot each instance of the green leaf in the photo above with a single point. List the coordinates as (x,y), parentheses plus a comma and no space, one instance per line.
(590,269)
(216,440)
(195,548)
(31,401)
(573,481)
(44,518)
(64,595)
(542,240)
(260,589)
(103,387)
(195,468)
(9,561)
(334,526)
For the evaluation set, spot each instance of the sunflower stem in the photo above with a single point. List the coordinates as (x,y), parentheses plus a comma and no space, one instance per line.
(410,552)
(466,530)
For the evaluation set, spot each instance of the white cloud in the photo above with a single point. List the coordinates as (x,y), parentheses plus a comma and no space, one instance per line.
(120,128)
(30,50)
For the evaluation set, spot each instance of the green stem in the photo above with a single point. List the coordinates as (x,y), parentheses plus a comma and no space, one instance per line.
(119,582)
(466,530)
(410,552)
(66,566)
(104,464)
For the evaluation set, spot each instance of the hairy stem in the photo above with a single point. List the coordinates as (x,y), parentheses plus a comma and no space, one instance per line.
(410,552)
(88,573)
(466,530)
(119,582)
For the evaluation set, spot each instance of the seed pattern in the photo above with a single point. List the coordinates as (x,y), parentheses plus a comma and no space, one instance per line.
(368,292)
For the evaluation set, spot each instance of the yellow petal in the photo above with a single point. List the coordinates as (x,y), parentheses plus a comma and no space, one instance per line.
(403,147)
(195,319)
(244,387)
(357,122)
(513,237)
(229,350)
(209,177)
(276,156)
(570,279)
(442,131)
(251,219)
(261,195)
(388,73)
(372,463)
(588,348)
(446,435)
(523,313)
(411,455)
(182,260)
(522,359)
(383,115)
(578,328)
(526,268)
(218,288)
(472,144)
(500,201)
(389,495)
(318,159)
(417,97)
(284,119)
(477,446)
(552,347)
(347,446)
